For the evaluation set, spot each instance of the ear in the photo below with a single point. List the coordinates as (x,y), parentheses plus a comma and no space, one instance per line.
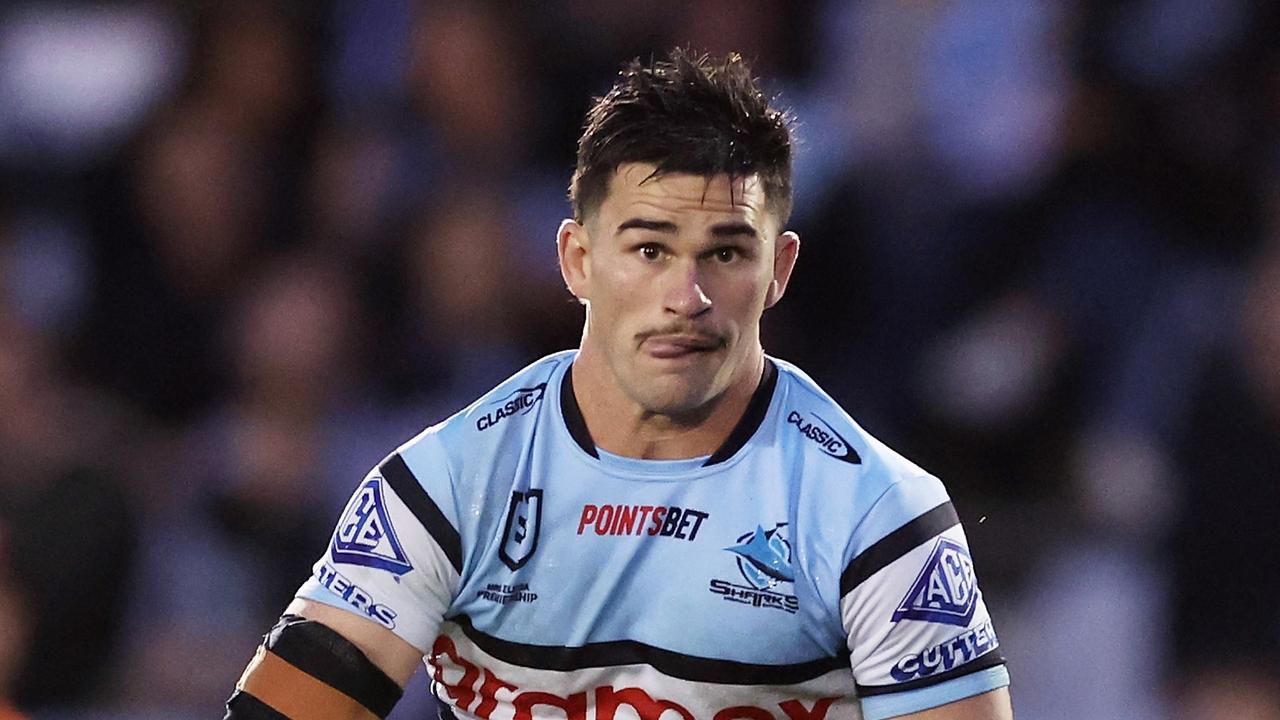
(571,246)
(785,252)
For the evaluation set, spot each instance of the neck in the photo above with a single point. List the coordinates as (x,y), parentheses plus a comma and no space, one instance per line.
(621,426)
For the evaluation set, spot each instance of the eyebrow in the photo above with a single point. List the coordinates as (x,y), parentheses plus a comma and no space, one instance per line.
(661,226)
(733,229)
(729,229)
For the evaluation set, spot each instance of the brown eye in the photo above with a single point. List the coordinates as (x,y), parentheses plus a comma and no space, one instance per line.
(726,254)
(650,252)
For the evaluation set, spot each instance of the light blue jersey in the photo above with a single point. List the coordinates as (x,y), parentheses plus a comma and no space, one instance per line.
(803,570)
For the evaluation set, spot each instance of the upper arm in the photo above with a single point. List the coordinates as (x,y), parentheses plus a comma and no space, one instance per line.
(395,558)
(990,705)
(919,634)
(320,663)
(395,657)
(354,635)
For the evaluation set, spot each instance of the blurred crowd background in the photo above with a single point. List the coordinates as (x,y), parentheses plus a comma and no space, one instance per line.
(248,247)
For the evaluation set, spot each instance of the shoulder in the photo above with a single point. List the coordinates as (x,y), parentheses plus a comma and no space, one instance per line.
(814,421)
(508,411)
(462,462)
(873,489)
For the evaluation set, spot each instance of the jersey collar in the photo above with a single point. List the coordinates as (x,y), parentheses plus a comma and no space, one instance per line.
(751,418)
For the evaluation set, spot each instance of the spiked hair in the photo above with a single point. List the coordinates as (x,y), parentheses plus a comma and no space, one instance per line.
(685,114)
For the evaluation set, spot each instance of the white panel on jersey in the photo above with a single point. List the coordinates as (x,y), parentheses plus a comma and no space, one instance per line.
(919,617)
(476,684)
(384,565)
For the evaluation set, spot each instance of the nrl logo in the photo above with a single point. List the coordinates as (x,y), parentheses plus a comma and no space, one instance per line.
(524,523)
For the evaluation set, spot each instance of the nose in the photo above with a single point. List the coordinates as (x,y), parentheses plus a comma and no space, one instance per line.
(684,294)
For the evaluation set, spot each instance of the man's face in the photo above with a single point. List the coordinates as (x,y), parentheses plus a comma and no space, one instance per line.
(676,271)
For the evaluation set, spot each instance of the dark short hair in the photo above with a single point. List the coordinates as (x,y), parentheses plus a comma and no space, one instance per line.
(685,114)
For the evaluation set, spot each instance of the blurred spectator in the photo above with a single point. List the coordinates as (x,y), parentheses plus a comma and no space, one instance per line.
(15,630)
(467,80)
(256,501)
(169,256)
(354,190)
(249,65)
(189,207)
(1225,622)
(70,529)
(461,323)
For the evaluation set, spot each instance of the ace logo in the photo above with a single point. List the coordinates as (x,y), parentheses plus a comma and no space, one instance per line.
(365,536)
(945,591)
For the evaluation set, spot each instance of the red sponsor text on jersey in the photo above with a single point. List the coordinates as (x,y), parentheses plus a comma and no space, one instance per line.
(677,522)
(608,699)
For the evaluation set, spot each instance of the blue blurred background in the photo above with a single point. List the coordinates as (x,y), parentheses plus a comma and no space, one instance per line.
(247,248)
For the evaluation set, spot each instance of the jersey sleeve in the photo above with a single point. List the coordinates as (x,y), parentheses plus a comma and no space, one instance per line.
(395,556)
(918,630)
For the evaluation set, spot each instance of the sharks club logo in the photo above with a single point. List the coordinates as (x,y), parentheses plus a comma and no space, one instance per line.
(764,562)
(764,557)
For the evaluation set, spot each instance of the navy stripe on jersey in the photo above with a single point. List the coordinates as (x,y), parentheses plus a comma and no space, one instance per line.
(243,706)
(896,544)
(333,660)
(400,477)
(751,419)
(668,662)
(990,660)
(573,416)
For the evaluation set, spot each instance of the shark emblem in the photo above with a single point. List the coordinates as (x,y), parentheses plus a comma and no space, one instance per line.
(764,557)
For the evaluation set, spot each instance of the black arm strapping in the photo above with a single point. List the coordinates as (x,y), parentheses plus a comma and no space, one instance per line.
(327,656)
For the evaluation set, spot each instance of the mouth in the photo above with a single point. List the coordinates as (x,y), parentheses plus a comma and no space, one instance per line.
(680,346)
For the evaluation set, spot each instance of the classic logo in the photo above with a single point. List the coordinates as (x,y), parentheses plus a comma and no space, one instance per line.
(764,560)
(945,591)
(519,402)
(821,432)
(365,536)
(524,522)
